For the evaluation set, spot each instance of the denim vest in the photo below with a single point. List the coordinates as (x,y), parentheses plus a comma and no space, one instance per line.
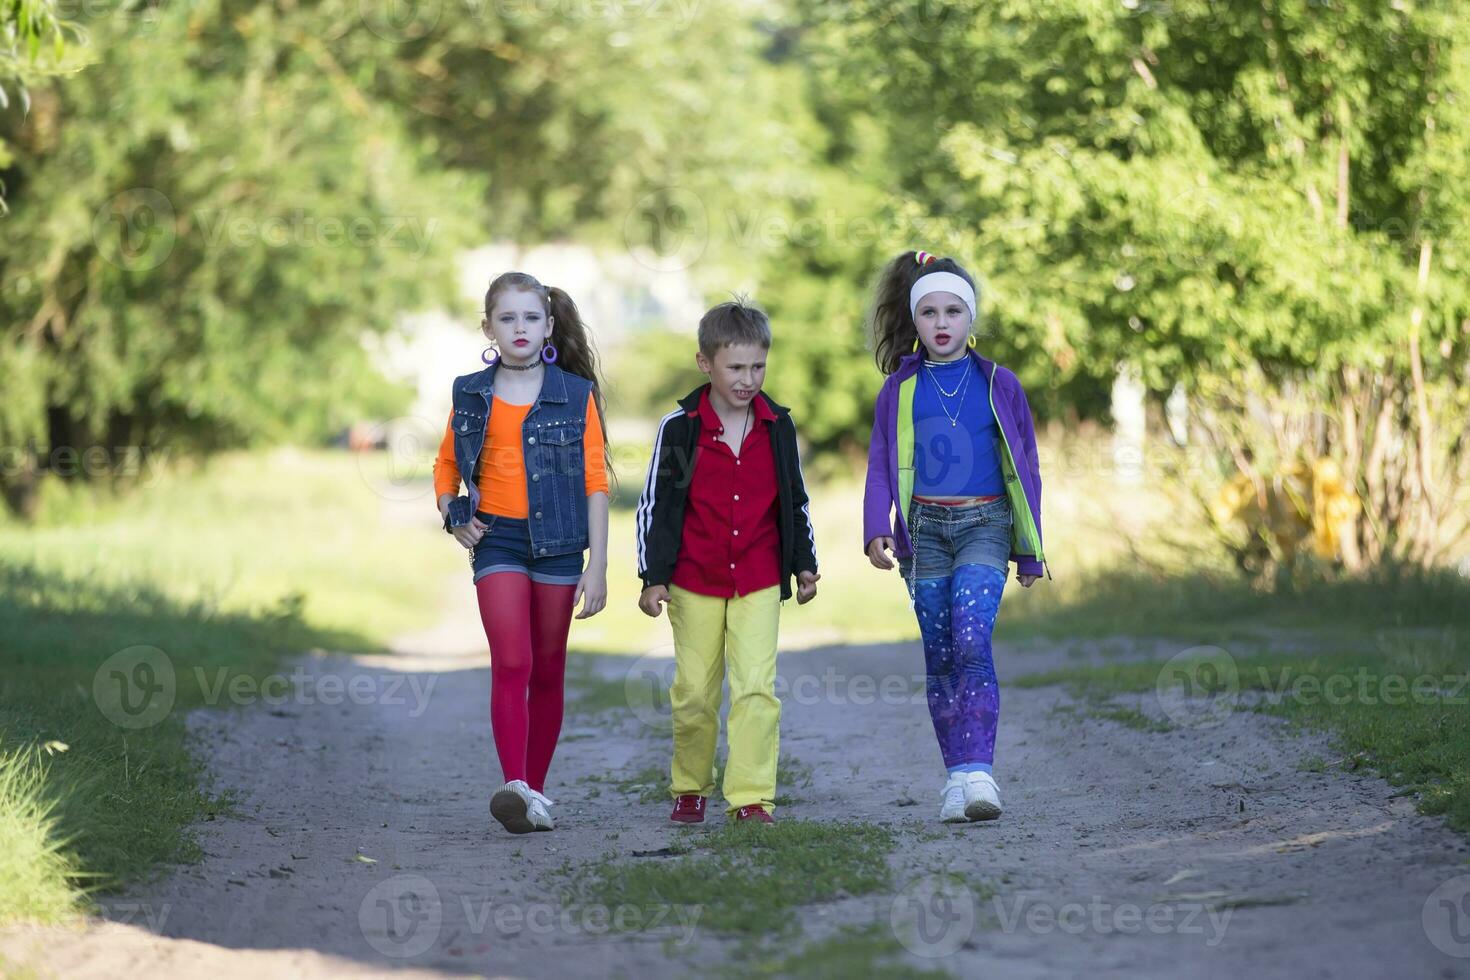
(551,442)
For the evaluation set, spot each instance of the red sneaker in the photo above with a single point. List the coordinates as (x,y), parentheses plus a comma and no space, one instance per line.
(753,811)
(688,808)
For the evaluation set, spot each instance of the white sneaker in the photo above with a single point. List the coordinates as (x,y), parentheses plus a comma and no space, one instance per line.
(952,800)
(539,813)
(982,796)
(512,806)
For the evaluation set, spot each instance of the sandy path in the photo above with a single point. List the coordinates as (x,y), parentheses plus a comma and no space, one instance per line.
(1200,850)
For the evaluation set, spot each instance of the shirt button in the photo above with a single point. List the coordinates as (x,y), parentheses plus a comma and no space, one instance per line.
(722,428)
(535,477)
(732,564)
(736,532)
(737,496)
(538,514)
(737,462)
(532,440)
(543,551)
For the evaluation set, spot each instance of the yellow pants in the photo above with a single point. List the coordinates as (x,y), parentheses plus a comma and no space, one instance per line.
(709,633)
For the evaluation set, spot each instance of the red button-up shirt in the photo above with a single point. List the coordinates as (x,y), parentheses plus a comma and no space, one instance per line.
(731,543)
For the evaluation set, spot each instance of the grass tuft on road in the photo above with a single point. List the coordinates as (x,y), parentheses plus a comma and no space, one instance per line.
(747,880)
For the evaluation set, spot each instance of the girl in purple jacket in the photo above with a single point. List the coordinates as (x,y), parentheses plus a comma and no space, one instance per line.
(953,463)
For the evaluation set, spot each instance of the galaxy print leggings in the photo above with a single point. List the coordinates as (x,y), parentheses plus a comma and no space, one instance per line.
(956,616)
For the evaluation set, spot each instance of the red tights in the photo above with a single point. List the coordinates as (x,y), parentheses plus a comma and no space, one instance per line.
(526,623)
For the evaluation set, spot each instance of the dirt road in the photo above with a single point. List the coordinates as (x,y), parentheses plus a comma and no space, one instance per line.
(360,841)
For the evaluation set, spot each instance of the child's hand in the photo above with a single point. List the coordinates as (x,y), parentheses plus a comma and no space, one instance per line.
(652,599)
(470,534)
(806,586)
(876,547)
(592,590)
(1026,580)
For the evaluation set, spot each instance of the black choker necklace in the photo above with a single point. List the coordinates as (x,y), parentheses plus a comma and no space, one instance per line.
(519,367)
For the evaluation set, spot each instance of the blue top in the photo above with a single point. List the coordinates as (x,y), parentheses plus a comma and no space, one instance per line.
(955,460)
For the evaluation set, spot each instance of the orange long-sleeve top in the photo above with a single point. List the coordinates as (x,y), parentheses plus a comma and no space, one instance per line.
(503,466)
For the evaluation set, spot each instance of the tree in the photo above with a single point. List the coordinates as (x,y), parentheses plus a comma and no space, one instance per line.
(1263,200)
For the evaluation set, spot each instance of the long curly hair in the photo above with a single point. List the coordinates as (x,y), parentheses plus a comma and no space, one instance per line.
(890,323)
(573,341)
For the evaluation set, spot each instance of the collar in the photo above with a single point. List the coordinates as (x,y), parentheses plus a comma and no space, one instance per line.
(767,409)
(553,384)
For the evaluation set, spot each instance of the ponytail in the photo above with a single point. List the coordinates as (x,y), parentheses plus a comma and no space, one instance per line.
(890,322)
(576,355)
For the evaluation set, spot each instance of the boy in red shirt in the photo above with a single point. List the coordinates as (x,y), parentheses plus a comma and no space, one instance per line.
(723,525)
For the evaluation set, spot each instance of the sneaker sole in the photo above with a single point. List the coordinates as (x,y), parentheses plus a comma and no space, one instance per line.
(981,810)
(510,810)
(955,818)
(687,819)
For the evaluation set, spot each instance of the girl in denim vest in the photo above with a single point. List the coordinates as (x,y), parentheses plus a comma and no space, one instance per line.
(953,461)
(525,436)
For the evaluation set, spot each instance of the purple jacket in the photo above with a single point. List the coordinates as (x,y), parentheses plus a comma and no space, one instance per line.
(891,457)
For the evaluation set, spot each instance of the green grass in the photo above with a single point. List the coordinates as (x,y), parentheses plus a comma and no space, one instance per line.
(869,951)
(38,875)
(1221,604)
(746,880)
(225,569)
(327,530)
(1415,733)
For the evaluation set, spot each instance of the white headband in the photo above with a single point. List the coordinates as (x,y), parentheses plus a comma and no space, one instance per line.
(942,282)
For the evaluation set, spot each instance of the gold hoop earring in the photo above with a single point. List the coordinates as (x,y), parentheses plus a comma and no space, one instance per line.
(973,341)
(916,344)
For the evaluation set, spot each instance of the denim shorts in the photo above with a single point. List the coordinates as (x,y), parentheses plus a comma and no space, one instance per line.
(945,537)
(506,547)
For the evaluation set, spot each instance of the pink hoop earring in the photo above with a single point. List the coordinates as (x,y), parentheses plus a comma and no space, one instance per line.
(548,353)
(492,361)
